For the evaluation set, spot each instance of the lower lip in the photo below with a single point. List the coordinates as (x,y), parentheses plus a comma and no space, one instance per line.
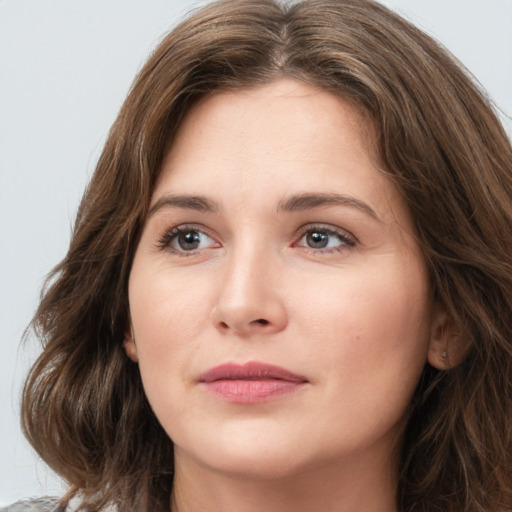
(252,391)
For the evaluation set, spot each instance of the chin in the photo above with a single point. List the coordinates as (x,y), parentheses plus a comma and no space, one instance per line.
(261,466)
(247,452)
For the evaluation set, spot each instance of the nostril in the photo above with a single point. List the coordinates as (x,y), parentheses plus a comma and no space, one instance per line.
(262,321)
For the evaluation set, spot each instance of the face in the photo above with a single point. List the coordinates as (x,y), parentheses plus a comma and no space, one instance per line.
(280,305)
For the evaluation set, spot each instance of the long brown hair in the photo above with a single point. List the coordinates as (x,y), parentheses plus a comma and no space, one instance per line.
(84,408)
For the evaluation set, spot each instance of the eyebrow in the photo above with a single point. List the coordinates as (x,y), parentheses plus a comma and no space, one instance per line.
(307,201)
(198,203)
(300,202)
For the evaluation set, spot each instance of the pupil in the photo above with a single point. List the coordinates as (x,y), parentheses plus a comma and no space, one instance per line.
(317,240)
(189,240)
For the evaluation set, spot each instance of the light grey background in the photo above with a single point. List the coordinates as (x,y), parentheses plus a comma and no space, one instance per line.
(65,67)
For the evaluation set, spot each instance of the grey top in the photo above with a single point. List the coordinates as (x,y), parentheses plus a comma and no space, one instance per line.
(48,504)
(36,505)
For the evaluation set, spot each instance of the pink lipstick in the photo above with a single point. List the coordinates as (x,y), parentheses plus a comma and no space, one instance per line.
(250,383)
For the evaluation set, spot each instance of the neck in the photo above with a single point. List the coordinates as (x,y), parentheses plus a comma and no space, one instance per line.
(355,487)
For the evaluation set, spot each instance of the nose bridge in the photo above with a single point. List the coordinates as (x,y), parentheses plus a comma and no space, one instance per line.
(249,298)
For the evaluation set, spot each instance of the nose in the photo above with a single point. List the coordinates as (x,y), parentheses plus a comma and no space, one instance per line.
(250,300)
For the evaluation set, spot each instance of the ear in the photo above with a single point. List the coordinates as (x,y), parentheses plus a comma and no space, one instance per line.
(448,345)
(130,347)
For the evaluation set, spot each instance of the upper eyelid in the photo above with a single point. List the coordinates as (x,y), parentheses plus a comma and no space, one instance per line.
(168,233)
(347,241)
(336,230)
(192,226)
(322,227)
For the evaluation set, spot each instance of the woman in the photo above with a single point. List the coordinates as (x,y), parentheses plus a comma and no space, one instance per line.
(290,281)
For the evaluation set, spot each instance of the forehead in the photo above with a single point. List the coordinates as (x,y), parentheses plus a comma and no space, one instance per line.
(292,110)
(283,137)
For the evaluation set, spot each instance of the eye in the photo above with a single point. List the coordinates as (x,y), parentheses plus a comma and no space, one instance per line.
(325,239)
(183,239)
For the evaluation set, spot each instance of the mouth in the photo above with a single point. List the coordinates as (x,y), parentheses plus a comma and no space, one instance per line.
(253,382)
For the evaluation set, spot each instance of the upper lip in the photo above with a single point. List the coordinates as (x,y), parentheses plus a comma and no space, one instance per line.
(249,371)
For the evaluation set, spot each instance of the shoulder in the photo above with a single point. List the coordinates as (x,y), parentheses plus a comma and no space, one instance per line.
(36,505)
(47,504)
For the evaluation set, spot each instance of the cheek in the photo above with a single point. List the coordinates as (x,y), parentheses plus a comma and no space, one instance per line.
(372,327)
(166,309)
(371,339)
(169,314)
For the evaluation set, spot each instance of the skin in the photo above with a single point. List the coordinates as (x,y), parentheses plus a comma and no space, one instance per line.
(355,318)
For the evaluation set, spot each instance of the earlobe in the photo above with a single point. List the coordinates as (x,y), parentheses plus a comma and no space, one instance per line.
(448,345)
(130,347)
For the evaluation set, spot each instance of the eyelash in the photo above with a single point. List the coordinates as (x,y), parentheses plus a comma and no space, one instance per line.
(165,241)
(346,239)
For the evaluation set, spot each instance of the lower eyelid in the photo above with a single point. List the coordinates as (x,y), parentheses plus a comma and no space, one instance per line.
(165,241)
(345,237)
